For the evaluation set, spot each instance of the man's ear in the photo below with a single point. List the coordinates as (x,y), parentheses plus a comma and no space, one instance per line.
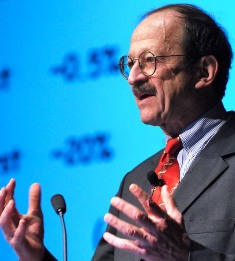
(208,69)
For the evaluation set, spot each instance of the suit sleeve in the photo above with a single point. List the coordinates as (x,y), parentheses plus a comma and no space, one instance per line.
(48,256)
(199,252)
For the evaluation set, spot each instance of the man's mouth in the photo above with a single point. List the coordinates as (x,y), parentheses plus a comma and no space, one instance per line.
(143,95)
(143,90)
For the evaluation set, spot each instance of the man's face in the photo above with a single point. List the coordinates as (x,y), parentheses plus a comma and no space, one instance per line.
(163,98)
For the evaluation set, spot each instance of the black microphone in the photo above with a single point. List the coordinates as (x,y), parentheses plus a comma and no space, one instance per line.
(59,205)
(154,180)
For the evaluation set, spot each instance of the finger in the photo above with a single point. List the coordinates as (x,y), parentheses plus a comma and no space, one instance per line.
(6,194)
(125,228)
(34,199)
(19,234)
(10,190)
(6,221)
(123,244)
(3,194)
(149,206)
(138,216)
(170,207)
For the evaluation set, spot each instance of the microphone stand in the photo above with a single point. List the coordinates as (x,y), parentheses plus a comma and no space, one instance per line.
(61,214)
(59,205)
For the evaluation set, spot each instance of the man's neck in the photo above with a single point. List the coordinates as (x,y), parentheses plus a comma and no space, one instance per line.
(174,128)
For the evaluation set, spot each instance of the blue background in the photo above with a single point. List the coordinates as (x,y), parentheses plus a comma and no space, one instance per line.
(68,119)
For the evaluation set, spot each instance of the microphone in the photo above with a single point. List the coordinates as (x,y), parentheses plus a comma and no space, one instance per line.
(59,205)
(154,180)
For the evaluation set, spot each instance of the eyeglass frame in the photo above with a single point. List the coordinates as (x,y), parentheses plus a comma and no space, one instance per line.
(137,59)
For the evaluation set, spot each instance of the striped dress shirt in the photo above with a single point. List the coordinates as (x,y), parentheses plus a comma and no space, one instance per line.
(197,134)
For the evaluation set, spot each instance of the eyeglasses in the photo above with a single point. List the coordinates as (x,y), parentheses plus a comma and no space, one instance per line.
(147,63)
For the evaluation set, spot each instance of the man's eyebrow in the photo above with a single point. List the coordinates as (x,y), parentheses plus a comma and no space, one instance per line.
(150,49)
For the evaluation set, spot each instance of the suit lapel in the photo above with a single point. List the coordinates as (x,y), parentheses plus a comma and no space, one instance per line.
(198,179)
(208,167)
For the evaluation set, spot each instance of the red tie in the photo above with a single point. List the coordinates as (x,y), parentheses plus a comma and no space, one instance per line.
(168,169)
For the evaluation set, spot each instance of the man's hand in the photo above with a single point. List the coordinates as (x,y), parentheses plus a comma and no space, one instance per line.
(23,232)
(158,235)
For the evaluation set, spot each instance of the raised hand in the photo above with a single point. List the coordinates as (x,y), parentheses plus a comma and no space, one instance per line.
(157,235)
(23,232)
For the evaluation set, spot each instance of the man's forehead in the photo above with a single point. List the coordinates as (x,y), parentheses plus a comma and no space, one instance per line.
(164,26)
(159,22)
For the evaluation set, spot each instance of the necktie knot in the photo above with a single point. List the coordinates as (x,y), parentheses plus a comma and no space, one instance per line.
(173,145)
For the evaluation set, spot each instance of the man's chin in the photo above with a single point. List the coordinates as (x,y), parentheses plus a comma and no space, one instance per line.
(149,121)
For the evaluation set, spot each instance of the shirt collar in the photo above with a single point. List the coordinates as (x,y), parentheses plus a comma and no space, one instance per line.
(196,130)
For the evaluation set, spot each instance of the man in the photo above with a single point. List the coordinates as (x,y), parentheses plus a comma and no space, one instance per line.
(177,67)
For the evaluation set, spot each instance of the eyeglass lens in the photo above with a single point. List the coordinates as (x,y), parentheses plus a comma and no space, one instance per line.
(146,60)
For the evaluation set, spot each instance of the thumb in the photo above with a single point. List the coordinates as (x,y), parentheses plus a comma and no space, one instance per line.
(170,207)
(34,199)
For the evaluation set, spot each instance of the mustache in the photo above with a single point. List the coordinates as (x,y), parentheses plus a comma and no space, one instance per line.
(144,87)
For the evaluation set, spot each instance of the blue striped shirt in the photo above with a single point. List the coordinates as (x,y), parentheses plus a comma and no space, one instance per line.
(197,134)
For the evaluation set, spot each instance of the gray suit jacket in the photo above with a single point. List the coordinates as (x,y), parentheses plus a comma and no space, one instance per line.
(206,198)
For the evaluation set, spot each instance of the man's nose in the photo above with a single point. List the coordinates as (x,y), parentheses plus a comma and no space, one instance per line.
(136,75)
